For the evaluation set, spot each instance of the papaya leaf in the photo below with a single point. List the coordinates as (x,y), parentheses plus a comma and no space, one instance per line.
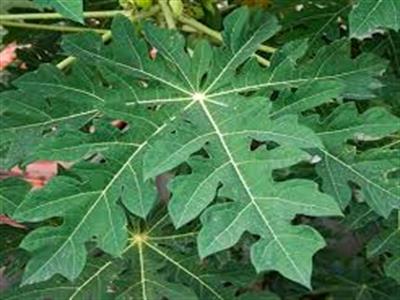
(369,16)
(157,263)
(46,101)
(369,170)
(71,9)
(87,197)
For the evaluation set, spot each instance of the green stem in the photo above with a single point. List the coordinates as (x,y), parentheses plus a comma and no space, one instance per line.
(145,14)
(266,48)
(49,27)
(200,27)
(167,14)
(215,34)
(66,62)
(70,59)
(48,16)
(391,144)
(262,60)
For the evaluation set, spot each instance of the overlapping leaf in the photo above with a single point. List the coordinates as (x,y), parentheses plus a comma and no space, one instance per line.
(92,284)
(355,281)
(46,101)
(88,200)
(158,263)
(370,170)
(313,20)
(72,9)
(166,267)
(359,216)
(12,258)
(357,75)
(368,16)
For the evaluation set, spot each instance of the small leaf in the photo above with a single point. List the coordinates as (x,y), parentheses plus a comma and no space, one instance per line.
(71,9)
(8,55)
(368,16)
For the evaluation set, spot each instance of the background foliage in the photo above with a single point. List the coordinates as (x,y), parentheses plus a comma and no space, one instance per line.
(203,149)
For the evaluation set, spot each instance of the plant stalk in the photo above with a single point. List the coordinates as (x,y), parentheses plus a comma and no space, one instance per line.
(49,27)
(70,59)
(48,16)
(215,34)
(200,27)
(167,14)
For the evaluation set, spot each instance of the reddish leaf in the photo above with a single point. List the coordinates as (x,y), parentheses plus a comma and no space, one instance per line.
(10,222)
(153,53)
(37,173)
(8,55)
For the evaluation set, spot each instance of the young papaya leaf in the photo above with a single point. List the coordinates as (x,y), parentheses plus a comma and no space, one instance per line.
(226,113)
(370,170)
(176,87)
(368,16)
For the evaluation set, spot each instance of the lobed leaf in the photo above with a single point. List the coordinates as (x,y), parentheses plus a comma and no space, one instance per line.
(368,16)
(369,170)
(46,102)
